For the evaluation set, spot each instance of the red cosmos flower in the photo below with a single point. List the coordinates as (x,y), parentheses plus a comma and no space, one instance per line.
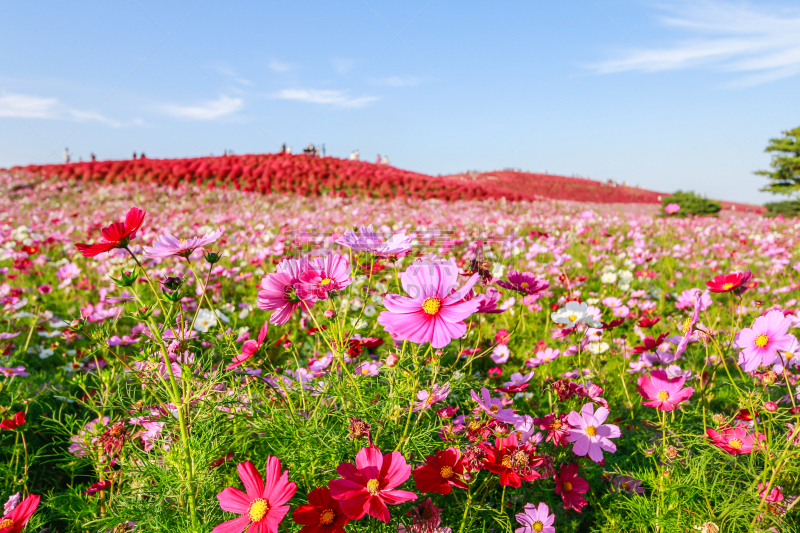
(117,235)
(557,428)
(97,487)
(322,513)
(735,441)
(14,423)
(14,521)
(514,463)
(367,487)
(650,344)
(262,506)
(614,323)
(570,486)
(441,472)
(648,322)
(729,282)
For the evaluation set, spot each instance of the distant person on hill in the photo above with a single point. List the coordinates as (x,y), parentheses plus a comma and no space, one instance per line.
(378,161)
(142,156)
(288,149)
(66,155)
(385,160)
(94,157)
(134,155)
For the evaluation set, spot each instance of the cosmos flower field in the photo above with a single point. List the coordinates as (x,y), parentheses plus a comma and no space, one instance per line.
(185,359)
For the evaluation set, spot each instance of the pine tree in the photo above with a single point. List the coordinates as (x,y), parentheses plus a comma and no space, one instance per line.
(785,178)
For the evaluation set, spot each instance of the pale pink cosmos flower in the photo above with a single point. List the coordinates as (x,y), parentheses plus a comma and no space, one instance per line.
(536,519)
(435,309)
(325,275)
(788,358)
(169,246)
(500,354)
(687,298)
(366,240)
(689,323)
(494,406)
(760,344)
(590,434)
(11,371)
(671,209)
(661,392)
(427,399)
(519,379)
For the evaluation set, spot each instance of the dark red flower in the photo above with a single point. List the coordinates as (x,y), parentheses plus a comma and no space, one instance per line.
(14,521)
(729,282)
(648,322)
(514,463)
(650,344)
(14,423)
(97,487)
(570,486)
(117,235)
(441,472)
(614,323)
(322,513)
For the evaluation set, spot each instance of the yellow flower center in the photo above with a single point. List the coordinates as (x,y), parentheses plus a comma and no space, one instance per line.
(326,281)
(6,523)
(537,526)
(494,409)
(687,326)
(258,509)
(573,318)
(506,462)
(431,305)
(761,340)
(555,425)
(524,285)
(327,517)
(567,486)
(789,355)
(373,486)
(663,395)
(591,431)
(727,286)
(446,472)
(736,444)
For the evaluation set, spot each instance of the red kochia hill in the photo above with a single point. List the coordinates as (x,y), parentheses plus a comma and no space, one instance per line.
(300,174)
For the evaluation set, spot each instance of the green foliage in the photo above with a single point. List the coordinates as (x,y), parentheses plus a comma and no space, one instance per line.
(786,208)
(692,204)
(785,176)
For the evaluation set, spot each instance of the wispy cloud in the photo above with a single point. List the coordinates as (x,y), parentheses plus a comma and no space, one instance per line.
(397,81)
(760,42)
(206,111)
(279,66)
(342,65)
(17,105)
(323,96)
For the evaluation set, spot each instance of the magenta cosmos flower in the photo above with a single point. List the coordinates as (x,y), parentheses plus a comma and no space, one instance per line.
(688,325)
(262,505)
(735,441)
(661,392)
(760,344)
(168,246)
(590,434)
(671,209)
(249,348)
(434,311)
(536,519)
(367,487)
(279,291)
(325,275)
(523,282)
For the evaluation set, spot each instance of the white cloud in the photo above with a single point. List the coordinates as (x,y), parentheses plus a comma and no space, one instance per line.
(342,65)
(762,43)
(206,111)
(397,81)
(31,106)
(323,96)
(279,66)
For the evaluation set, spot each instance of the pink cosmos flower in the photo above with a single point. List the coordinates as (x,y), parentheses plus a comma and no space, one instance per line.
(325,275)
(671,209)
(427,399)
(760,344)
(689,323)
(368,486)
(11,371)
(687,299)
(735,441)
(366,240)
(570,486)
(279,291)
(788,358)
(590,434)
(249,348)
(494,406)
(168,246)
(14,521)
(488,301)
(434,311)
(661,392)
(523,282)
(262,505)
(536,519)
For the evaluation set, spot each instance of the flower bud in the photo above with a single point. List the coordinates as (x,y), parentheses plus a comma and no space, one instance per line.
(212,257)
(392,359)
(172,283)
(329,313)
(718,418)
(287,345)
(771,407)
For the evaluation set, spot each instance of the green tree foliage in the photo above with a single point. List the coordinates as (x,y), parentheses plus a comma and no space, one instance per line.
(692,204)
(785,178)
(786,208)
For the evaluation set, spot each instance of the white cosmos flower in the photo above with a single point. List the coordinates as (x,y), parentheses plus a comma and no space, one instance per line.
(608,277)
(573,313)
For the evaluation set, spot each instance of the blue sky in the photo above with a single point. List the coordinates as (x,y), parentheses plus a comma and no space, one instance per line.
(667,95)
